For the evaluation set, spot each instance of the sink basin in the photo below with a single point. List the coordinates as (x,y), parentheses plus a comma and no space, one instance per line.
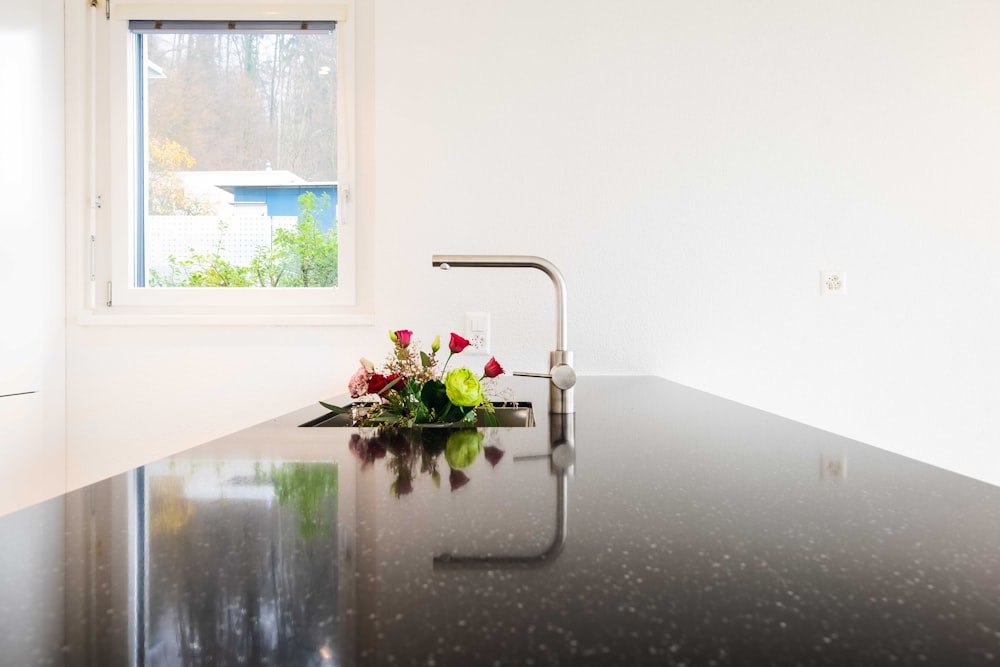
(508,415)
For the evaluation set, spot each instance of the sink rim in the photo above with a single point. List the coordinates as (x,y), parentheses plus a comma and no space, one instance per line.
(499,407)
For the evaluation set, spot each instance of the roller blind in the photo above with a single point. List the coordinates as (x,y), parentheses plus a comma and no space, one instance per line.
(231,27)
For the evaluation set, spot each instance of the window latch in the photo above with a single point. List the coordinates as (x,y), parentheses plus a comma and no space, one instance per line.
(107,7)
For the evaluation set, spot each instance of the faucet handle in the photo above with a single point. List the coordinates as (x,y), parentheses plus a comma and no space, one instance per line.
(562,375)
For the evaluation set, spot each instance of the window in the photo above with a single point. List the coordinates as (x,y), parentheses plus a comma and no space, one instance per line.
(222,148)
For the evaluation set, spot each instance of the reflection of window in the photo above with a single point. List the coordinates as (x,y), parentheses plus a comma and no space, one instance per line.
(241,562)
(226,145)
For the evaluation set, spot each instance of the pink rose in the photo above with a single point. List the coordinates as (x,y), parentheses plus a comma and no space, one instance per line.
(358,386)
(457,343)
(492,369)
(403,337)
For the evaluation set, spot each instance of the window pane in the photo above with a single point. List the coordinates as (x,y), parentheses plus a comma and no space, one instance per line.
(238,140)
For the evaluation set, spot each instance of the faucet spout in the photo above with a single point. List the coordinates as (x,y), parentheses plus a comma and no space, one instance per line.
(517,261)
(561,372)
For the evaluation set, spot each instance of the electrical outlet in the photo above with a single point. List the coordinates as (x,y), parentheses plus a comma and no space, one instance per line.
(477,331)
(833,282)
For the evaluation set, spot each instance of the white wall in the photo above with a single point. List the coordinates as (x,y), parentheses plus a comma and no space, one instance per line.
(691,167)
(32,277)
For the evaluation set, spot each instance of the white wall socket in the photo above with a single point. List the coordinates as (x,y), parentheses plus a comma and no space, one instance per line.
(833,282)
(477,331)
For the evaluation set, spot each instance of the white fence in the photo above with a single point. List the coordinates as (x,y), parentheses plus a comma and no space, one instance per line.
(186,235)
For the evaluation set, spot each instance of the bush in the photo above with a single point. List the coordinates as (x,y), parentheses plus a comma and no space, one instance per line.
(304,256)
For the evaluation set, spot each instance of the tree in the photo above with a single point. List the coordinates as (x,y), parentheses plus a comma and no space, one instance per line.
(308,253)
(241,100)
(166,191)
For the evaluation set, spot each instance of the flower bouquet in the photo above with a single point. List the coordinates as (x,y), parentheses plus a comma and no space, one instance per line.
(411,390)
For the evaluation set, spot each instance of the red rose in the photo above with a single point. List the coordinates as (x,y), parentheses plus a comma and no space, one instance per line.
(403,337)
(399,385)
(492,369)
(457,343)
(377,383)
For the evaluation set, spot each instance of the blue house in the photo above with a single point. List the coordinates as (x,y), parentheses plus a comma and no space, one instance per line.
(283,199)
(264,192)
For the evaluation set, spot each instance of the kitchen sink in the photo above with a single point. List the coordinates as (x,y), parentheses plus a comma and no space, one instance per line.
(519,414)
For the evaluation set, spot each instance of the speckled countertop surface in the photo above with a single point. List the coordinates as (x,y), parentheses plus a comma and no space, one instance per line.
(684,530)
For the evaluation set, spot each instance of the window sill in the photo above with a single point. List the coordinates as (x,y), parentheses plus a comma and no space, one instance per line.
(88,318)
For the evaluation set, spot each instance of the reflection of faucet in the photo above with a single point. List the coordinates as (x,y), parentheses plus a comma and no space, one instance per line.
(561,372)
(546,557)
(561,459)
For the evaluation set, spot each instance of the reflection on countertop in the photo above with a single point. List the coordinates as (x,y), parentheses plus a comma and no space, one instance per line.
(680,529)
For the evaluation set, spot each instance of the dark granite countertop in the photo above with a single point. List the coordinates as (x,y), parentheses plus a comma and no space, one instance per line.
(681,529)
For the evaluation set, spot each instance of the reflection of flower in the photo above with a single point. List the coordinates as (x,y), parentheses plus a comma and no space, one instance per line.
(493,455)
(411,389)
(409,453)
(403,484)
(463,448)
(457,479)
(367,450)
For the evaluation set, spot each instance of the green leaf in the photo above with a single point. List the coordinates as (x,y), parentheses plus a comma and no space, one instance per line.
(434,396)
(425,359)
(384,418)
(335,408)
(455,414)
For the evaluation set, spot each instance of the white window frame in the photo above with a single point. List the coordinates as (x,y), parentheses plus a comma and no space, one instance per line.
(114,136)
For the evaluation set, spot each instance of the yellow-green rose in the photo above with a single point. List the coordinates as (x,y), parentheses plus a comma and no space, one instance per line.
(462,388)
(463,448)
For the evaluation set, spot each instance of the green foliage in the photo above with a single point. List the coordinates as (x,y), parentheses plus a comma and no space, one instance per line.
(210,270)
(304,256)
(308,256)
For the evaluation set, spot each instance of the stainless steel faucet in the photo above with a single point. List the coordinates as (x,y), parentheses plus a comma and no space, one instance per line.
(561,374)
